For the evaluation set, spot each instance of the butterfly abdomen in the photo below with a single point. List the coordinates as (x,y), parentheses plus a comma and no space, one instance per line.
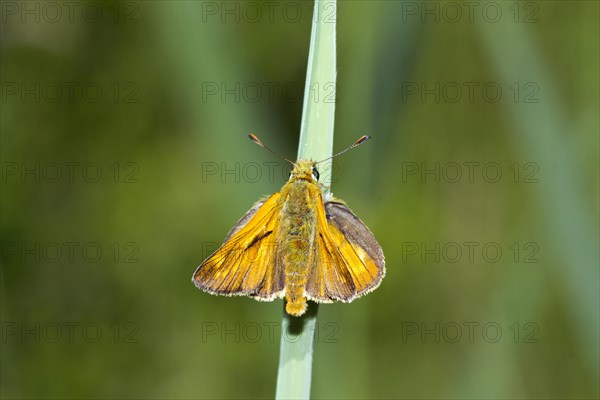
(297,237)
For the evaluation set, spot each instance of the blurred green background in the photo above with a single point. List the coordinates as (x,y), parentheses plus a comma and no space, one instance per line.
(124,164)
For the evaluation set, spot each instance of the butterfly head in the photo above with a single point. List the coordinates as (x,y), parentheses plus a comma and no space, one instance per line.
(305,170)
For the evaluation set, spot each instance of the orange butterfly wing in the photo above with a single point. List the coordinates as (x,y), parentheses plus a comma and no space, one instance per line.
(246,263)
(349,261)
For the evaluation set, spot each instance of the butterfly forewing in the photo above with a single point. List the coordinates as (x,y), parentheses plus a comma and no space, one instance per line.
(346,229)
(246,263)
(350,263)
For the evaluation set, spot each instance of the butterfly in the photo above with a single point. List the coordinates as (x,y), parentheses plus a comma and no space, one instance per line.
(299,244)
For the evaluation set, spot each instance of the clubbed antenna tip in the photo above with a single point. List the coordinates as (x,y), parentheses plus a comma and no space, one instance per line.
(256,140)
(360,140)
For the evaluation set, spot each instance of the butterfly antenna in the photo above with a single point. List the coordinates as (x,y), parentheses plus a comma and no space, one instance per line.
(256,140)
(360,141)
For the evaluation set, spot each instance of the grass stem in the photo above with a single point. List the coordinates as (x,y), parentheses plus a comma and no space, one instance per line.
(316,142)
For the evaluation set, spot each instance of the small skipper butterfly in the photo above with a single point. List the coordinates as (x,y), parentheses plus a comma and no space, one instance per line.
(297,244)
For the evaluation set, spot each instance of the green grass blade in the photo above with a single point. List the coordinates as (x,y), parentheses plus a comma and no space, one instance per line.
(316,131)
(316,142)
(296,354)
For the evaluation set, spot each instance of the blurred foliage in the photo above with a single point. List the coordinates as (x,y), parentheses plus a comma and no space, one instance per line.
(157,126)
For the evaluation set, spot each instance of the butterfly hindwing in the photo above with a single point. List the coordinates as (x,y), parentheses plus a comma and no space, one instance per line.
(246,263)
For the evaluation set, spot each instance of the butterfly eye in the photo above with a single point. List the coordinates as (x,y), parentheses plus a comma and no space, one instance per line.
(315,174)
